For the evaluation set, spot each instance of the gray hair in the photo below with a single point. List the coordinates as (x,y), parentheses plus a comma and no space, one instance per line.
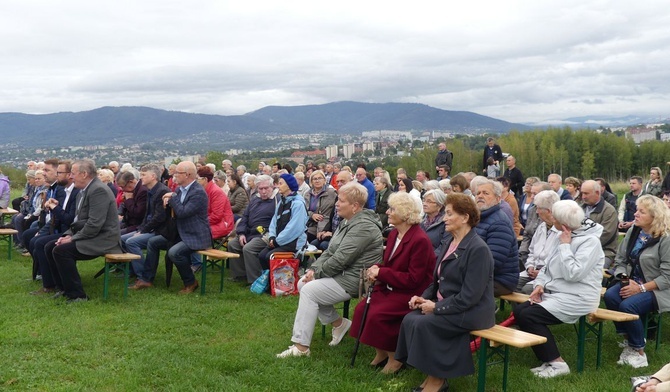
(263,178)
(478,180)
(497,187)
(546,199)
(543,185)
(87,166)
(594,185)
(431,184)
(221,175)
(153,168)
(242,167)
(568,213)
(438,195)
(445,185)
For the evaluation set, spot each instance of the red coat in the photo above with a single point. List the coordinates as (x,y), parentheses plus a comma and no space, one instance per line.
(220,214)
(402,276)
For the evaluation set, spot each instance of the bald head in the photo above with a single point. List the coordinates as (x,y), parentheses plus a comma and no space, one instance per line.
(591,192)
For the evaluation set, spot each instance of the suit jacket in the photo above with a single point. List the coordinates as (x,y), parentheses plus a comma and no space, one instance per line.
(192,219)
(63,215)
(135,209)
(96,230)
(157,210)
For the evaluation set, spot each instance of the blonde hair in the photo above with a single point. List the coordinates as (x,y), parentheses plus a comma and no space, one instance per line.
(657,209)
(355,193)
(406,208)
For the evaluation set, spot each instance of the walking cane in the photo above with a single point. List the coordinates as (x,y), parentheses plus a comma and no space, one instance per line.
(360,329)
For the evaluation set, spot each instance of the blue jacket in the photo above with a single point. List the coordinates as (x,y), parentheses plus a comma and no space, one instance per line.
(371,194)
(295,227)
(192,219)
(495,229)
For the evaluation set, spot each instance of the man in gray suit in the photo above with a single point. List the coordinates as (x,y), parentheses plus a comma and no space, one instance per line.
(94,232)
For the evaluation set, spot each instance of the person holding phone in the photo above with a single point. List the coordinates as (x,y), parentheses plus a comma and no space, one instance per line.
(568,286)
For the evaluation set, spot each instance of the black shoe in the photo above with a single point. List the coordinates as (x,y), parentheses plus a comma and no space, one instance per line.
(417,389)
(444,387)
(58,294)
(381,364)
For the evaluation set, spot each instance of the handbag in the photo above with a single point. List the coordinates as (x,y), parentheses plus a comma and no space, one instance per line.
(283,274)
(260,285)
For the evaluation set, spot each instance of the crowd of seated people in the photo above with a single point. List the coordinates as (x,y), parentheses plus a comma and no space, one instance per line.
(532,245)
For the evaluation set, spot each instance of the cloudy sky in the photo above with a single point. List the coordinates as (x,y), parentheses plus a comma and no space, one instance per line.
(520,61)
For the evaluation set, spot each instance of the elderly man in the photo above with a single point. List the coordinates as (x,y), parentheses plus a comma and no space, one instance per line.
(555,181)
(133,200)
(515,177)
(495,229)
(600,211)
(189,206)
(94,232)
(152,224)
(627,207)
(362,178)
(443,157)
(254,223)
(242,173)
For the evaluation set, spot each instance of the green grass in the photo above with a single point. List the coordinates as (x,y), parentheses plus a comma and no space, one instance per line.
(156,340)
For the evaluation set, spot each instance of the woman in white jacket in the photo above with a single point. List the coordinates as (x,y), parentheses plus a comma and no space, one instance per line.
(567,287)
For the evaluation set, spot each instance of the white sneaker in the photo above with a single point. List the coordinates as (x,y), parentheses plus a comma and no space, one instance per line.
(624,343)
(340,332)
(554,369)
(293,351)
(636,360)
(627,352)
(540,368)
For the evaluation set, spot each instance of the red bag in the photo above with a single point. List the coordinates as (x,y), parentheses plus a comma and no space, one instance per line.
(284,274)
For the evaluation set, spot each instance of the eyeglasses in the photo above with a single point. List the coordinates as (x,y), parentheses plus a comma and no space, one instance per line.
(340,181)
(318,178)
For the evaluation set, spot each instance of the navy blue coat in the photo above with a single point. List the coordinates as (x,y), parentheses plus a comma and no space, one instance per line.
(495,229)
(192,219)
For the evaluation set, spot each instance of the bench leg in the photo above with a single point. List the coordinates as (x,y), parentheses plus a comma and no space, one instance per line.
(105,287)
(223,263)
(581,342)
(126,275)
(203,275)
(9,247)
(481,376)
(658,330)
(599,345)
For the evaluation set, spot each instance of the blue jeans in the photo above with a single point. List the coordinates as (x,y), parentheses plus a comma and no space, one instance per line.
(639,304)
(134,244)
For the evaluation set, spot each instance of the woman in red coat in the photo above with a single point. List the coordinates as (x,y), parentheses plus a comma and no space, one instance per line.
(407,269)
(220,214)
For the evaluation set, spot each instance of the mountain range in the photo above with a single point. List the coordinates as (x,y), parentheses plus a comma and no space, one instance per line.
(127,125)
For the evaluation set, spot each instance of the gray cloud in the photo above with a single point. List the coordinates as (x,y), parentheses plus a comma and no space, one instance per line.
(516,60)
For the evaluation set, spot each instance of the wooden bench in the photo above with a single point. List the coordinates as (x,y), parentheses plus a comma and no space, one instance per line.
(121,258)
(6,213)
(498,339)
(591,323)
(212,257)
(7,235)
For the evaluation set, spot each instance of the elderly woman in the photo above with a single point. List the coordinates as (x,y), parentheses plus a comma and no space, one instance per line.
(572,185)
(320,202)
(23,220)
(458,300)
(221,180)
(406,271)
(433,208)
(107,176)
(382,191)
(543,243)
(653,186)
(405,185)
(237,195)
(644,258)
(445,186)
(334,277)
(568,286)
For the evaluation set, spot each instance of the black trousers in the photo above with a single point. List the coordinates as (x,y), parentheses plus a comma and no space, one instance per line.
(63,259)
(535,319)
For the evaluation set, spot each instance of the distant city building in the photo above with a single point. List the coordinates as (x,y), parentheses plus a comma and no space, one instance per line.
(665,137)
(348,150)
(331,151)
(640,135)
(368,146)
(396,135)
(193,158)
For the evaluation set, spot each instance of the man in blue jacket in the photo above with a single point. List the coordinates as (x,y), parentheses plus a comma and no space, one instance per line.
(496,230)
